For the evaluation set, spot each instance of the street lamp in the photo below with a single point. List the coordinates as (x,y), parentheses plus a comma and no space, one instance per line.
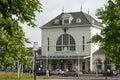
(105,68)
(47,71)
(78,64)
(35,48)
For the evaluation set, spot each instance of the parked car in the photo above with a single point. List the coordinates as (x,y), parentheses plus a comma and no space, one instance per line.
(112,73)
(9,70)
(27,70)
(43,72)
(57,72)
(72,73)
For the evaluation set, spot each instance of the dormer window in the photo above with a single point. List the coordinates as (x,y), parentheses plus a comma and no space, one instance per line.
(67,18)
(66,21)
(78,20)
(57,21)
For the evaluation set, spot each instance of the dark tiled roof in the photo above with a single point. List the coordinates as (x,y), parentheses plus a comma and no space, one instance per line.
(99,51)
(86,19)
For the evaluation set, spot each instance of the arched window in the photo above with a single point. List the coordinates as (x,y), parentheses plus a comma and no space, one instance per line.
(65,42)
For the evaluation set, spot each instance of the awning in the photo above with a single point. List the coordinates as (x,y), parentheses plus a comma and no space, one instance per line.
(63,57)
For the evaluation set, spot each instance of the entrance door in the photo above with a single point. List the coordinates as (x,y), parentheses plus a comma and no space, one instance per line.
(58,64)
(99,65)
(69,65)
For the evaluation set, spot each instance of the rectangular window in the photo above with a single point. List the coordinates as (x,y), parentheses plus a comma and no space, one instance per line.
(83,43)
(48,43)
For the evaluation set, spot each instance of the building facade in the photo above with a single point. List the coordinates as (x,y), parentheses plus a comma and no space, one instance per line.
(65,43)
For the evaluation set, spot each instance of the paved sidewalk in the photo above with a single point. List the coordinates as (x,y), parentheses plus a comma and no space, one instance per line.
(80,78)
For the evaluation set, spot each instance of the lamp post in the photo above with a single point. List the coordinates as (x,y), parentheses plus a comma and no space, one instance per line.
(35,48)
(105,66)
(47,71)
(78,64)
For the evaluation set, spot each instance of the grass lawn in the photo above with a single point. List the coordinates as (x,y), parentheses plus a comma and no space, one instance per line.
(13,76)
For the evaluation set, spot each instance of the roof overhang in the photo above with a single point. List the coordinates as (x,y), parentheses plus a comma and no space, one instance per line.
(63,57)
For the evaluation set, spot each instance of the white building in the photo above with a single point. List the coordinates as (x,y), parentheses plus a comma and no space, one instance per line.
(65,43)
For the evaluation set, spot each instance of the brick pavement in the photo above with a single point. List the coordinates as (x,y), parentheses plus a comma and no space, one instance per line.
(80,78)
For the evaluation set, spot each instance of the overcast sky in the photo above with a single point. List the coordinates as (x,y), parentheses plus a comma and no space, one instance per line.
(52,8)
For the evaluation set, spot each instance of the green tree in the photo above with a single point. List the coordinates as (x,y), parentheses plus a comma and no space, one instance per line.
(12,36)
(110,35)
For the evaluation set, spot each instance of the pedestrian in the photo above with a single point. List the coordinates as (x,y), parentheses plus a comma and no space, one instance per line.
(108,72)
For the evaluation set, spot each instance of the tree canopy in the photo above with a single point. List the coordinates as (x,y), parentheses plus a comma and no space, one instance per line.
(110,35)
(12,36)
